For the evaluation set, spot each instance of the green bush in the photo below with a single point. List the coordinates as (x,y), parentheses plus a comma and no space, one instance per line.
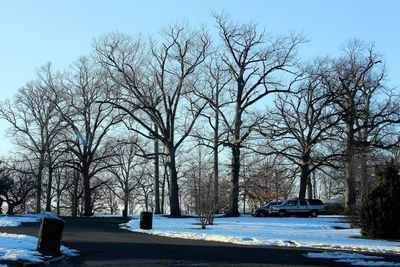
(380,212)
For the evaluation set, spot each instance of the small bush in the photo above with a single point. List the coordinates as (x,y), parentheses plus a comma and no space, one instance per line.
(334,209)
(380,211)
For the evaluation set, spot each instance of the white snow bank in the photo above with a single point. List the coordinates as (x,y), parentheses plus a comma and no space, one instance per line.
(22,247)
(16,220)
(340,255)
(317,232)
(352,258)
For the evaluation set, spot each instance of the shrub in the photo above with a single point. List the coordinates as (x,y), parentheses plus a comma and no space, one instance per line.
(334,209)
(380,211)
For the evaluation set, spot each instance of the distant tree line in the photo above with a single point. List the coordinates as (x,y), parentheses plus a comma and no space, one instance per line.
(183,122)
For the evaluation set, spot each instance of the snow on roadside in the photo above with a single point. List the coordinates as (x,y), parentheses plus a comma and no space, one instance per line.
(15,247)
(341,255)
(17,220)
(22,247)
(352,258)
(317,232)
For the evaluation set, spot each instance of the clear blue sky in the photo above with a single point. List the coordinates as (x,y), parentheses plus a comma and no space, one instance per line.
(36,32)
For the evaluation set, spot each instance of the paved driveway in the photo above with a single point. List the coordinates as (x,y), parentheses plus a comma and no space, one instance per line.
(102,243)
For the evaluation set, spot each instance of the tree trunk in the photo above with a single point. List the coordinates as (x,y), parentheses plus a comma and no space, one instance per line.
(364,175)
(309,187)
(10,210)
(39,183)
(349,177)
(75,200)
(314,183)
(87,192)
(304,179)
(58,203)
(216,155)
(173,187)
(234,196)
(126,203)
(156,175)
(235,168)
(163,192)
(216,160)
(49,184)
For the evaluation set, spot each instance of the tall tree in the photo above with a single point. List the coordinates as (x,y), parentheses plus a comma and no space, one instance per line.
(356,80)
(157,208)
(158,88)
(90,122)
(214,91)
(35,121)
(259,64)
(300,126)
(127,169)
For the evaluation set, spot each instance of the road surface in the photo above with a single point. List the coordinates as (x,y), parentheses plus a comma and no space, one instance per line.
(101,243)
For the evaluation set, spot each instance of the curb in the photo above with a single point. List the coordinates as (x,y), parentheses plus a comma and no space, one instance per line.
(44,263)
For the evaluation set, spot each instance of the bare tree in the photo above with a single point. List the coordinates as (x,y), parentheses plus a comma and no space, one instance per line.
(255,61)
(300,127)
(356,80)
(35,122)
(272,179)
(199,184)
(90,122)
(19,184)
(127,168)
(214,91)
(157,208)
(161,93)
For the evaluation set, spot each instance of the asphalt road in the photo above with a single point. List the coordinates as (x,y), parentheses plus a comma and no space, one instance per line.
(101,243)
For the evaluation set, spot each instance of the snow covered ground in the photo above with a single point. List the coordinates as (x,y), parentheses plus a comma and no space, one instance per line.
(317,232)
(16,220)
(22,247)
(352,258)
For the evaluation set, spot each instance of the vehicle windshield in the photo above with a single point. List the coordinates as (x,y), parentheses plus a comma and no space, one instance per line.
(289,203)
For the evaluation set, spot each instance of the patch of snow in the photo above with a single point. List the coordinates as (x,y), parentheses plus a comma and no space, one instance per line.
(340,255)
(22,247)
(352,258)
(48,214)
(317,232)
(17,220)
(369,263)
(11,221)
(2,265)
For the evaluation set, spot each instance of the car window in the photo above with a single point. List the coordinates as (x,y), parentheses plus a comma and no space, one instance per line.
(292,202)
(315,202)
(303,203)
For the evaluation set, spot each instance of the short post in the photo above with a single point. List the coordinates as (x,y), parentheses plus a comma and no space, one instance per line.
(146,220)
(50,235)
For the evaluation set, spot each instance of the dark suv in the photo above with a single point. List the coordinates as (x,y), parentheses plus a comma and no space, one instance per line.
(264,211)
(299,207)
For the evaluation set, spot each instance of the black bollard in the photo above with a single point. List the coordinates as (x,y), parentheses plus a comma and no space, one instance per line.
(146,220)
(50,236)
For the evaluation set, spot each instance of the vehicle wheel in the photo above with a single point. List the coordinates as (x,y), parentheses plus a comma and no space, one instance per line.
(314,213)
(282,213)
(262,214)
